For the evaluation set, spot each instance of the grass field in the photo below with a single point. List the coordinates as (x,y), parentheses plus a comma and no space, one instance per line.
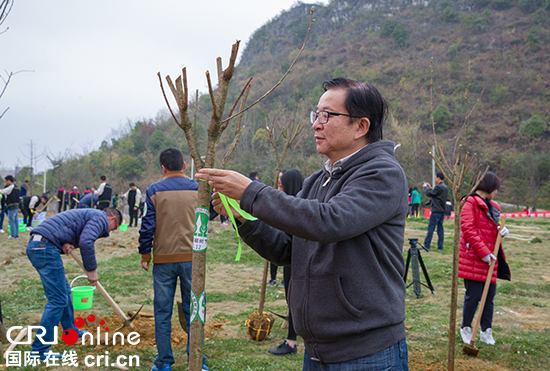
(521,319)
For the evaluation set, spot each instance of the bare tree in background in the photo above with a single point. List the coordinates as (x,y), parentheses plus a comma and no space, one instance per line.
(217,126)
(5,8)
(281,137)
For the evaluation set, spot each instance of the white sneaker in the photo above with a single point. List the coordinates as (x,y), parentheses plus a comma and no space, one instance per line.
(10,237)
(2,231)
(466,333)
(28,229)
(487,336)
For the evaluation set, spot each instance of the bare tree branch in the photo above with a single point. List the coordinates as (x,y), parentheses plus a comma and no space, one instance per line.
(5,8)
(286,73)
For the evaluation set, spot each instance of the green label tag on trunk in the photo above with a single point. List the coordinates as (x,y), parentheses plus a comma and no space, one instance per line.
(194,308)
(202,307)
(200,235)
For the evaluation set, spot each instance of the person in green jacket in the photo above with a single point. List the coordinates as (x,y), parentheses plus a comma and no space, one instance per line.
(416,199)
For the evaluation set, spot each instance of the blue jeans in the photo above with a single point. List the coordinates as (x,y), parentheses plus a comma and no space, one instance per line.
(14,222)
(165,277)
(394,358)
(436,219)
(46,258)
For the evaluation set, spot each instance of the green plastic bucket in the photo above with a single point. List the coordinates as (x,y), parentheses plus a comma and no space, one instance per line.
(123,227)
(21,228)
(83,296)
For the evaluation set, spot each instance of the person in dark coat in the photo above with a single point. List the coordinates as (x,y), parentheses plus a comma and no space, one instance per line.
(28,205)
(58,235)
(75,197)
(342,234)
(290,183)
(438,196)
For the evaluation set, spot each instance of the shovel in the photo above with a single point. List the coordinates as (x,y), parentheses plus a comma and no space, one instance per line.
(101,289)
(471,350)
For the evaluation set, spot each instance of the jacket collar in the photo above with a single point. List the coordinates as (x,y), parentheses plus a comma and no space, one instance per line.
(173,174)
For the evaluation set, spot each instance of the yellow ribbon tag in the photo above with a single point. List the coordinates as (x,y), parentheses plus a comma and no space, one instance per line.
(226,201)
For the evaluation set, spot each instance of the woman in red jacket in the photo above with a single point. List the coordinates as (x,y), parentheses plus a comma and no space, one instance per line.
(479,229)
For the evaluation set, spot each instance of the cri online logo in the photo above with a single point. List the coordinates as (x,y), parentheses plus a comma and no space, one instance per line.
(69,336)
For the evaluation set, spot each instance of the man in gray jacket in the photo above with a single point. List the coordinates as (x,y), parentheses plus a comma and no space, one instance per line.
(438,196)
(343,234)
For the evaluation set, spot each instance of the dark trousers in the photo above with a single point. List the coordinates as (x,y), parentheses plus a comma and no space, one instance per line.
(133,215)
(415,210)
(27,216)
(286,279)
(474,290)
(273,271)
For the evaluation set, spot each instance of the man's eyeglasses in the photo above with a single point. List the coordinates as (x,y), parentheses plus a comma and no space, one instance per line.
(324,115)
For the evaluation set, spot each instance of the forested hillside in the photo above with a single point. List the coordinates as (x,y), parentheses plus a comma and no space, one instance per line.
(485,60)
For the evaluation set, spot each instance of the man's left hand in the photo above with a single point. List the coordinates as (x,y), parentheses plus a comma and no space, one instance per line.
(227,182)
(67,248)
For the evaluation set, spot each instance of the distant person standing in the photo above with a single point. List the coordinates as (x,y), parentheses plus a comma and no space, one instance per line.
(75,197)
(103,193)
(416,199)
(61,198)
(438,195)
(291,183)
(11,192)
(133,198)
(28,205)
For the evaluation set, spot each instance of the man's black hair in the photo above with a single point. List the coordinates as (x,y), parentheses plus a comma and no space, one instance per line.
(254,174)
(10,178)
(45,197)
(132,184)
(363,100)
(489,183)
(440,175)
(172,159)
(103,177)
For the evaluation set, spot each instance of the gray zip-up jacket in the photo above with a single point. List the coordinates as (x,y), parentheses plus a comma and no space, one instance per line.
(343,234)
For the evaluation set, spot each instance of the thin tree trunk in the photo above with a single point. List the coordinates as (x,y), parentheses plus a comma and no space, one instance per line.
(454,285)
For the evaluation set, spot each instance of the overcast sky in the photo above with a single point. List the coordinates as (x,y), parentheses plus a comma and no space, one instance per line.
(94,64)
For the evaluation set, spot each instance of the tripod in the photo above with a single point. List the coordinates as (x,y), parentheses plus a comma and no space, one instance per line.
(414,255)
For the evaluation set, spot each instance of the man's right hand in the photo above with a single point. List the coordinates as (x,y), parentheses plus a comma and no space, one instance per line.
(67,248)
(92,277)
(145,265)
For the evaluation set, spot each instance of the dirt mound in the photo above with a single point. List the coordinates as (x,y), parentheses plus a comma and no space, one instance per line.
(103,328)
